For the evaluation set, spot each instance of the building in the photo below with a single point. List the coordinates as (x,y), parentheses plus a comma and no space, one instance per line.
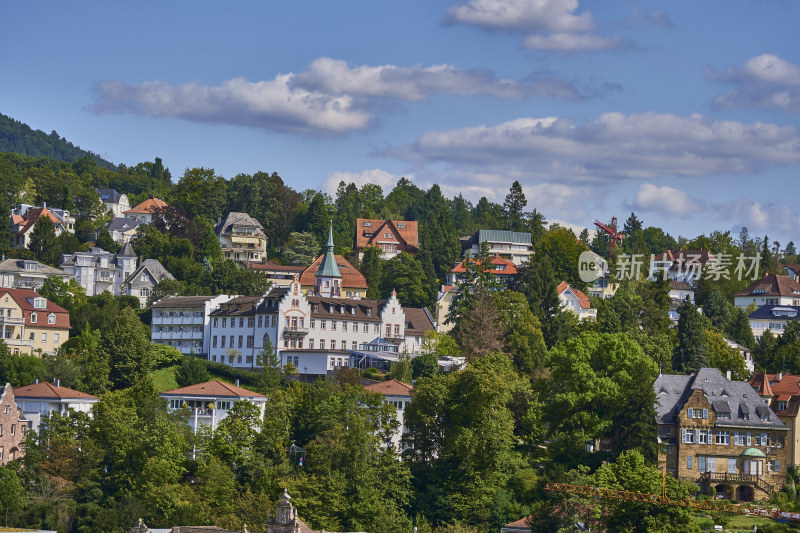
(210,402)
(141,282)
(793,271)
(40,400)
(747,354)
(782,393)
(114,201)
(279,275)
(773,318)
(512,245)
(31,324)
(27,274)
(441,308)
(719,433)
(242,238)
(398,394)
(680,264)
(502,269)
(12,427)
(183,322)
(145,211)
(680,291)
(291,320)
(576,301)
(772,289)
(98,271)
(418,322)
(23,220)
(391,236)
(122,230)
(333,276)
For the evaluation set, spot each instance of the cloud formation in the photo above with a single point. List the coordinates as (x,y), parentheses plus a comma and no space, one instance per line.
(763,82)
(760,216)
(666,200)
(551,25)
(613,147)
(329,97)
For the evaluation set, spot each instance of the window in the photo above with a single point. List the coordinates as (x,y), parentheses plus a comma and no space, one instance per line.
(13,429)
(300,343)
(232,341)
(354,346)
(731,466)
(51,318)
(761,439)
(34,318)
(249,359)
(705,437)
(322,324)
(56,337)
(772,466)
(251,322)
(397,330)
(44,337)
(344,326)
(696,413)
(781,406)
(344,345)
(250,340)
(260,320)
(333,325)
(322,344)
(144,292)
(214,341)
(312,322)
(388,330)
(739,438)
(241,322)
(224,405)
(723,437)
(215,322)
(689,462)
(310,344)
(224,322)
(666,430)
(223,340)
(274,320)
(377,328)
(401,225)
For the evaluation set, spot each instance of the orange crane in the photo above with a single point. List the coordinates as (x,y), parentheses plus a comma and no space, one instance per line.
(614,236)
(662,499)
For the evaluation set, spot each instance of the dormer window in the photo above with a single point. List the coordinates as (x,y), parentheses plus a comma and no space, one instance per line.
(34,318)
(367,224)
(51,318)
(782,406)
(759,291)
(401,225)
(39,303)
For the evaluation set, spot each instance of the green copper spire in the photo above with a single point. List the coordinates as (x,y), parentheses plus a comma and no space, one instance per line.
(328,268)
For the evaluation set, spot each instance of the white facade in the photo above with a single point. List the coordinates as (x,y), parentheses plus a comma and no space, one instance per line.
(775,299)
(397,394)
(98,271)
(575,301)
(39,400)
(183,322)
(512,245)
(27,274)
(209,403)
(293,321)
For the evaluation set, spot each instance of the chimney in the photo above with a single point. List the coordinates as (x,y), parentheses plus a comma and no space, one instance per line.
(779,377)
(58,382)
(728,375)
(237,382)
(36,381)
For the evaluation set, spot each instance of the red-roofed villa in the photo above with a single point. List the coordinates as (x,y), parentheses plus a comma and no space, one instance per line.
(210,402)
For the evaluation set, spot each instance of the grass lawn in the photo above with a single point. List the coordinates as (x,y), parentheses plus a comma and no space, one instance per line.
(164,379)
(737,523)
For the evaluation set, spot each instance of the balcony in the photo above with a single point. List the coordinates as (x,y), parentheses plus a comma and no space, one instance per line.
(18,342)
(11,321)
(178,320)
(294,330)
(737,478)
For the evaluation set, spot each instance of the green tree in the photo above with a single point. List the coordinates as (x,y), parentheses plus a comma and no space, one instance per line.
(11,491)
(191,371)
(43,240)
(537,280)
(739,329)
(402,369)
(371,267)
(691,354)
(405,275)
(480,330)
(130,353)
(724,357)
(563,249)
(513,208)
(302,248)
(523,337)
(269,366)
(437,232)
(19,370)
(67,294)
(200,192)
(424,366)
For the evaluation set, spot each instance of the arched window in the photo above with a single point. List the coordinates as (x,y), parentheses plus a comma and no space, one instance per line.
(34,318)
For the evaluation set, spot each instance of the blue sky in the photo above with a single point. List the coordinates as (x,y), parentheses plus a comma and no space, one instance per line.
(685,111)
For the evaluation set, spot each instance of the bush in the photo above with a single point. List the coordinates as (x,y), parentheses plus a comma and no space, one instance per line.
(191,372)
(245,377)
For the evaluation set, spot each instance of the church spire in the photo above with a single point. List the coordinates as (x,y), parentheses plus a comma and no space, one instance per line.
(328,267)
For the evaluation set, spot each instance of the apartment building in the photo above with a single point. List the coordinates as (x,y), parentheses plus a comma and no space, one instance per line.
(39,400)
(720,433)
(208,403)
(27,274)
(31,324)
(98,271)
(514,246)
(183,322)
(398,395)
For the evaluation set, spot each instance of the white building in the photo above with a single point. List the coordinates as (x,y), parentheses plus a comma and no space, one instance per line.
(183,322)
(512,245)
(773,318)
(576,301)
(769,290)
(27,274)
(398,394)
(679,291)
(242,238)
(39,400)
(209,402)
(141,282)
(23,220)
(114,201)
(98,271)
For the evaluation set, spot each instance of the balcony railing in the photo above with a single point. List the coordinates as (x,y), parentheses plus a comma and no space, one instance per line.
(747,479)
(294,330)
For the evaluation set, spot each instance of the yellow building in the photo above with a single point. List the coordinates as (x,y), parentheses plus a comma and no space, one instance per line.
(31,324)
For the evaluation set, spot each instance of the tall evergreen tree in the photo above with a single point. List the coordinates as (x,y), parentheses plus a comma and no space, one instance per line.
(691,354)
(43,240)
(514,208)
(437,232)
(371,268)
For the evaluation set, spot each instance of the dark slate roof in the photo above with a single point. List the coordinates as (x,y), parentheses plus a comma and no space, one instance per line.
(235,218)
(767,312)
(122,224)
(154,267)
(734,397)
(182,302)
(110,196)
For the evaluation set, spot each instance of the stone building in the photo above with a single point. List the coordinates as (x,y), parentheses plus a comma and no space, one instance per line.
(720,434)
(12,427)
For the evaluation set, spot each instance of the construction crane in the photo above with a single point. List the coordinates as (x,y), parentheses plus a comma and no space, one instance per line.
(614,236)
(662,499)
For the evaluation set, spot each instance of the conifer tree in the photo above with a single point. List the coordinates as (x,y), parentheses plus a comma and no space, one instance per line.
(691,354)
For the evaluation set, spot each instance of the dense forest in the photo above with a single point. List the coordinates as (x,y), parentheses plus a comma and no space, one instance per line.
(482,442)
(16,136)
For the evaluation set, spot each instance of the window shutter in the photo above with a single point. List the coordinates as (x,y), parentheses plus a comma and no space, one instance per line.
(748,438)
(696,435)
(689,462)
(701,463)
(683,435)
(710,437)
(777,465)
(690,413)
(705,413)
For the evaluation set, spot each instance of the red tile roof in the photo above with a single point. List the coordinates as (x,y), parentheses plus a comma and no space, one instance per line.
(24,299)
(785,390)
(773,285)
(760,382)
(31,216)
(582,298)
(391,387)
(509,268)
(46,389)
(372,234)
(214,388)
(151,205)
(521,523)
(351,277)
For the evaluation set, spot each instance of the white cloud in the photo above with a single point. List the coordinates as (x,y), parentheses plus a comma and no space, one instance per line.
(375,176)
(761,216)
(551,25)
(571,42)
(666,200)
(265,104)
(763,82)
(613,147)
(336,77)
(523,16)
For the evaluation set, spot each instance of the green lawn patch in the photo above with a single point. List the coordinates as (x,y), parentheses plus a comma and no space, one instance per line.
(164,379)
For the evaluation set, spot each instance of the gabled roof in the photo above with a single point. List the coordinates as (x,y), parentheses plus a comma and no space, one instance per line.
(351,277)
(679,286)
(214,388)
(45,389)
(582,298)
(123,224)
(680,255)
(772,285)
(109,196)
(418,321)
(369,231)
(18,265)
(24,299)
(235,218)
(154,267)
(501,267)
(391,387)
(151,205)
(793,268)
(32,215)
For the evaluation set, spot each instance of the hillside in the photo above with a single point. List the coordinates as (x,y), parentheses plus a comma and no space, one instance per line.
(18,137)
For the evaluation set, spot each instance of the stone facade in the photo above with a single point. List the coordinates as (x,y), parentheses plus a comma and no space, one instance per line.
(12,427)
(719,434)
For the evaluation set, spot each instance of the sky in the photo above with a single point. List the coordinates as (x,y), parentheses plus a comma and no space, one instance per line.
(685,112)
